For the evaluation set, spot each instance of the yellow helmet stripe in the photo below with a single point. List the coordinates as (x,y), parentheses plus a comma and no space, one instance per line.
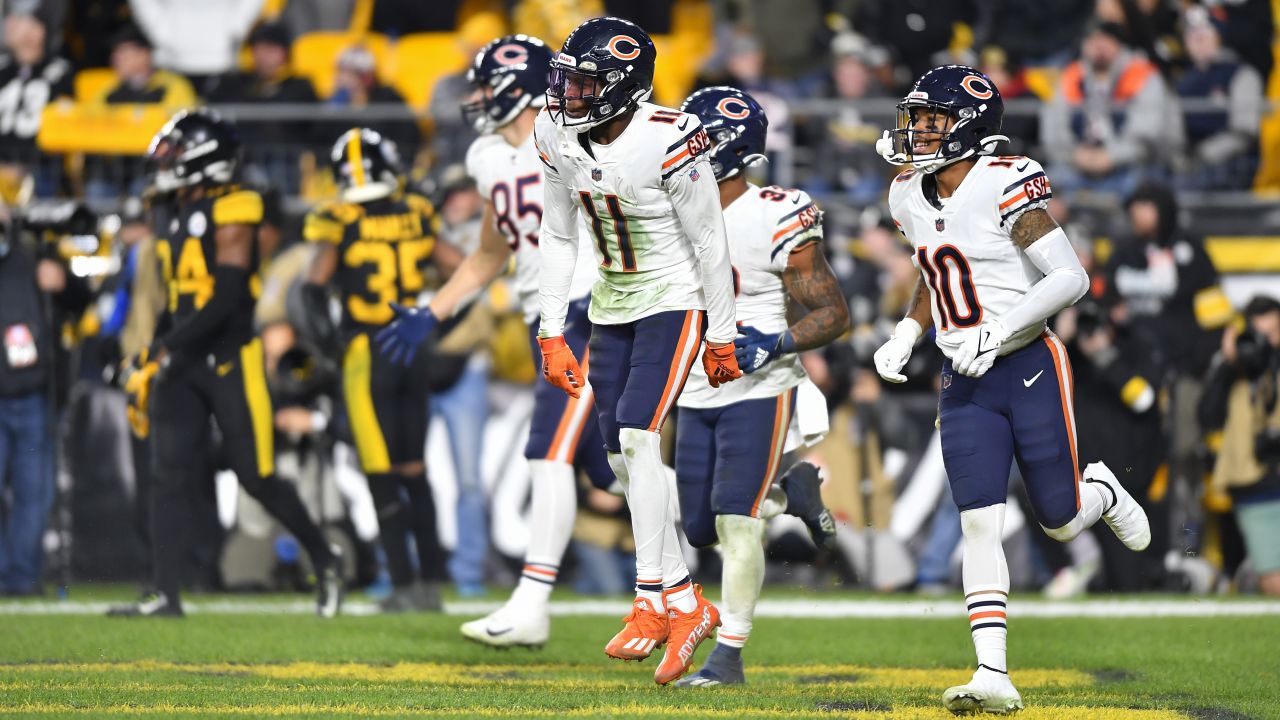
(355,157)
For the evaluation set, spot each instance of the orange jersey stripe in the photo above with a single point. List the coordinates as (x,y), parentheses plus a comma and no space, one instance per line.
(680,365)
(1020,196)
(539,571)
(564,443)
(781,419)
(786,230)
(675,159)
(1062,367)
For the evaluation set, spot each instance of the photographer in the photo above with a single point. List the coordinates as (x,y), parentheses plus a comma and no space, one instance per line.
(35,288)
(1240,415)
(1117,377)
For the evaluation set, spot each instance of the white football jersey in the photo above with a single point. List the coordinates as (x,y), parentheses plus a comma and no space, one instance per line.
(963,246)
(511,178)
(764,226)
(650,202)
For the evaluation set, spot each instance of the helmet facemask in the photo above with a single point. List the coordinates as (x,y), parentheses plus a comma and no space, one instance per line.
(943,123)
(729,157)
(570,84)
(495,103)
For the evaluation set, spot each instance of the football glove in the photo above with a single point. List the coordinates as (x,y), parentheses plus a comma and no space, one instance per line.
(754,349)
(978,351)
(400,340)
(720,363)
(138,376)
(560,367)
(896,351)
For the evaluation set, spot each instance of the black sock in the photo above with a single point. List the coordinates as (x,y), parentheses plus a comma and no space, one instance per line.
(422,518)
(393,524)
(281,500)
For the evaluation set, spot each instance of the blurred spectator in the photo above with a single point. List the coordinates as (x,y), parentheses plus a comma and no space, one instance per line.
(1108,117)
(396,18)
(138,81)
(303,16)
(1222,142)
(553,21)
(1165,282)
(844,142)
(1240,409)
(798,51)
(451,136)
(1118,377)
(274,145)
(197,38)
(29,80)
(1042,33)
(1022,128)
(1150,26)
(358,87)
(1248,29)
(31,283)
(915,29)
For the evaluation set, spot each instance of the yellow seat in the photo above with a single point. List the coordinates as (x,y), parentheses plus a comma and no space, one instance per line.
(67,127)
(681,53)
(421,59)
(92,83)
(315,55)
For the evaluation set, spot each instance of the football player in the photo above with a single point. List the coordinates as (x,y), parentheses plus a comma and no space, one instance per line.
(640,175)
(508,88)
(206,359)
(730,440)
(994,265)
(374,244)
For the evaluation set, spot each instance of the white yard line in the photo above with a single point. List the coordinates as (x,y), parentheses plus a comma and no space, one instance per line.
(818,608)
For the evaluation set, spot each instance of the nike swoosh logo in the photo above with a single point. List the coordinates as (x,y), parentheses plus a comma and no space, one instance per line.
(504,631)
(683,123)
(795,200)
(1023,166)
(1032,381)
(986,335)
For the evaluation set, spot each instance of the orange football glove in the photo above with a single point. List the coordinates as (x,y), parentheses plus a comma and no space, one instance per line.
(560,367)
(720,363)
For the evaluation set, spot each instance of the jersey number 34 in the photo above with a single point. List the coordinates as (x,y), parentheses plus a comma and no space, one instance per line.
(938,269)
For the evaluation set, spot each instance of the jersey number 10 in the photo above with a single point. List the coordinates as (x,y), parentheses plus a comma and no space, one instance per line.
(938,271)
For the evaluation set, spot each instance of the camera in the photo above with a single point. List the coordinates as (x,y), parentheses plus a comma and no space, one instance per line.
(1254,354)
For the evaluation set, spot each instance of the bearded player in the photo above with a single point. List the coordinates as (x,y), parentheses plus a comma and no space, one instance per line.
(994,266)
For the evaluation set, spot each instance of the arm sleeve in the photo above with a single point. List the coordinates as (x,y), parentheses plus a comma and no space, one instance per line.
(232,285)
(558,246)
(1064,282)
(697,204)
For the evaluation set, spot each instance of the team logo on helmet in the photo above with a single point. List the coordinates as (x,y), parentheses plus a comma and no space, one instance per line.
(976,87)
(726,108)
(616,49)
(510,54)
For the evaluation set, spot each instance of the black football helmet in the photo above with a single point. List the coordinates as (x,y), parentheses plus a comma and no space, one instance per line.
(511,75)
(954,91)
(196,147)
(366,165)
(606,62)
(736,125)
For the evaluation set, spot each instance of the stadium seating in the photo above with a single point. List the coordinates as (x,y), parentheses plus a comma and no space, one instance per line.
(420,60)
(315,55)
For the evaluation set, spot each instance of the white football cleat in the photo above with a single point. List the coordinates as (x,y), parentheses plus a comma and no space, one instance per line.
(511,626)
(988,692)
(1126,517)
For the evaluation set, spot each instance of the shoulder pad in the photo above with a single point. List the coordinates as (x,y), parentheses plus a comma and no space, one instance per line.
(239,207)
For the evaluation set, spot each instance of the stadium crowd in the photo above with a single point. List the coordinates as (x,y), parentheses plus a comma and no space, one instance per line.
(1134,106)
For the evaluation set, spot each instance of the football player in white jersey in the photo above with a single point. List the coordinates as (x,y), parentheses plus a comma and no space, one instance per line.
(639,175)
(994,266)
(730,440)
(509,82)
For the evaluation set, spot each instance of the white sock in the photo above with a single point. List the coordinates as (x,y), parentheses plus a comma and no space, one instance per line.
(986,583)
(647,499)
(1095,499)
(743,556)
(552,509)
(676,579)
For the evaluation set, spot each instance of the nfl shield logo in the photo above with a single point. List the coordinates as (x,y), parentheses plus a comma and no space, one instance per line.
(946,380)
(693,174)
(596,174)
(940,224)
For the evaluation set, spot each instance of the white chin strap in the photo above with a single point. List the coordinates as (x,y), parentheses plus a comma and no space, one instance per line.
(932,163)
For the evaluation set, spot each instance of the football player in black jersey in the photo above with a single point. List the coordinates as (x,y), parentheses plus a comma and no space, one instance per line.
(206,361)
(374,245)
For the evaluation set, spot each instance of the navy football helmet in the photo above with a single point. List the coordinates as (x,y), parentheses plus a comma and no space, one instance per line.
(510,74)
(736,124)
(196,147)
(957,93)
(605,62)
(366,165)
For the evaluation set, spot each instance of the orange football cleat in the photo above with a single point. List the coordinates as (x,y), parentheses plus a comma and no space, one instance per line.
(688,630)
(646,631)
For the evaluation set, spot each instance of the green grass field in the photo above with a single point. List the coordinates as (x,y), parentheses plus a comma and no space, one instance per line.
(290,665)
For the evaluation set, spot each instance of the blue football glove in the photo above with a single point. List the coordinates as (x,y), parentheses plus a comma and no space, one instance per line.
(754,349)
(400,340)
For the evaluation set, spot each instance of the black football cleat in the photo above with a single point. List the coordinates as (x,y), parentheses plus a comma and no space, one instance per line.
(155,604)
(803,487)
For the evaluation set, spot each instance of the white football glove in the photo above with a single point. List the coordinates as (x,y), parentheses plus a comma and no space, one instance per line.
(896,351)
(979,350)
